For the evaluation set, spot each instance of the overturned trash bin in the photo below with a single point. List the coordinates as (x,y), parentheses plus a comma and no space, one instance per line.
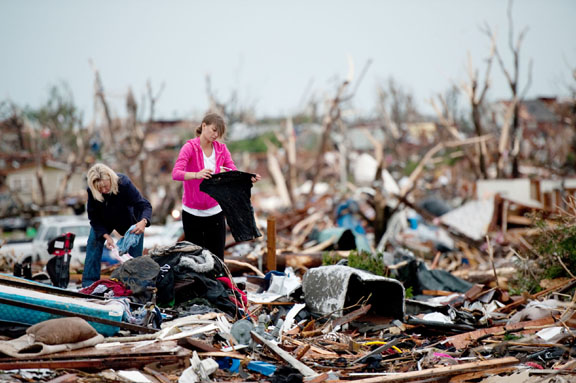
(329,289)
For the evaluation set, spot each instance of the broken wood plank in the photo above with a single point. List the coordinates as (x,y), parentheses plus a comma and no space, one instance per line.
(157,375)
(461,341)
(301,367)
(431,325)
(351,316)
(111,350)
(302,350)
(224,354)
(315,349)
(244,264)
(271,244)
(567,285)
(94,364)
(475,291)
(295,260)
(321,246)
(448,371)
(196,344)
(519,220)
(480,374)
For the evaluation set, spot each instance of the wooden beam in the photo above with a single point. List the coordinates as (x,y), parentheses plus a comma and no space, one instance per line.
(461,341)
(465,378)
(448,371)
(301,367)
(271,242)
(351,316)
(95,364)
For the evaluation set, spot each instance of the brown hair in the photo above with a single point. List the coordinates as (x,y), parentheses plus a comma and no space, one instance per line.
(213,119)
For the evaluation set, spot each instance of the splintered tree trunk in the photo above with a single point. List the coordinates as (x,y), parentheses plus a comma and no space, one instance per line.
(381,216)
(479,132)
(447,121)
(276,172)
(291,152)
(330,119)
(513,82)
(40,180)
(40,172)
(516,144)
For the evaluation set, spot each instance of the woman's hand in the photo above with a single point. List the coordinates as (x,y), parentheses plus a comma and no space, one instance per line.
(139,227)
(256,178)
(109,242)
(202,174)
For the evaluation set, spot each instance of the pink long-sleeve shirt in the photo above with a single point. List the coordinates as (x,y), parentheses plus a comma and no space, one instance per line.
(191,159)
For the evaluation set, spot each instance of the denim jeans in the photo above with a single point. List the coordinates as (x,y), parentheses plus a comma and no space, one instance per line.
(93,261)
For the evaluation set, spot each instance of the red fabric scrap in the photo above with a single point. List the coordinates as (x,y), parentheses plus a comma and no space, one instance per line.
(229,284)
(117,287)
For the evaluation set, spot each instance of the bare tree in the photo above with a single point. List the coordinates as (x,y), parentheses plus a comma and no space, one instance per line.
(287,140)
(232,110)
(447,121)
(513,78)
(124,141)
(476,93)
(100,101)
(396,108)
(12,119)
(56,129)
(329,123)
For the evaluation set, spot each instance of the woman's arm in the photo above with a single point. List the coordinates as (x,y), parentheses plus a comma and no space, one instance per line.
(179,171)
(142,207)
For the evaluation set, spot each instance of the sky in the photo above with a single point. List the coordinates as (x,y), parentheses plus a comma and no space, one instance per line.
(274,54)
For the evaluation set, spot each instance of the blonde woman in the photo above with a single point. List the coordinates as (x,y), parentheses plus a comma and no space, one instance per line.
(114,203)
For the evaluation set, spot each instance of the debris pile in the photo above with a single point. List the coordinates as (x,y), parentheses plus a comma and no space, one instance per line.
(426,292)
(178,315)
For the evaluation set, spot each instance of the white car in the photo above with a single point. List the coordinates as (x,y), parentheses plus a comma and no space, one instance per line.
(168,236)
(51,227)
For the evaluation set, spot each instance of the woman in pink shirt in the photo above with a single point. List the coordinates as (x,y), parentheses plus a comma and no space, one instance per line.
(199,158)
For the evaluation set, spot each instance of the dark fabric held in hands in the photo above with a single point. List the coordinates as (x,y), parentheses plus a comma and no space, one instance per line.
(232,191)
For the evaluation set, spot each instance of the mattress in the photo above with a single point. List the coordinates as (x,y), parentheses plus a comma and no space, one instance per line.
(110,310)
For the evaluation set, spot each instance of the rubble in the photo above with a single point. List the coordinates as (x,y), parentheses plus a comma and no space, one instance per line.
(433,301)
(336,323)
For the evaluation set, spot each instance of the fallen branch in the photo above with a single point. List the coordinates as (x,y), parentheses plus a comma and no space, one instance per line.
(244,264)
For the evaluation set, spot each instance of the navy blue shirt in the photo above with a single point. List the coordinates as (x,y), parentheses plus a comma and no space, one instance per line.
(118,211)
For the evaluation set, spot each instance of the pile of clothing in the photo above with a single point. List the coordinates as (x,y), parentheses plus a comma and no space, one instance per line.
(184,276)
(190,274)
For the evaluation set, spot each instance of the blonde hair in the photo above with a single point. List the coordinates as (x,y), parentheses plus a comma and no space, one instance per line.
(96,175)
(213,119)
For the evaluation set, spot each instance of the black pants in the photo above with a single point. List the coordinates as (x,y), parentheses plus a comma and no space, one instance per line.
(208,232)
